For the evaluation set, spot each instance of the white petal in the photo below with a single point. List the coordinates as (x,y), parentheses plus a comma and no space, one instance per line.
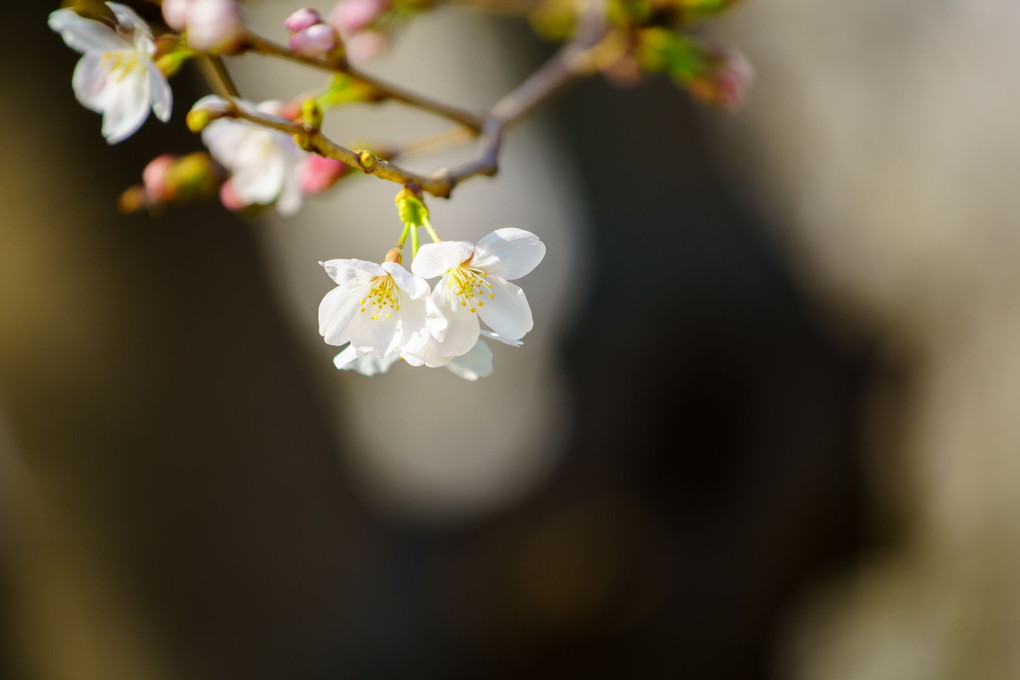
(366,365)
(89,81)
(377,336)
(351,270)
(427,355)
(335,313)
(475,364)
(499,338)
(435,321)
(291,197)
(345,357)
(159,93)
(86,35)
(128,20)
(415,286)
(462,329)
(258,172)
(126,107)
(507,312)
(435,259)
(508,253)
(412,329)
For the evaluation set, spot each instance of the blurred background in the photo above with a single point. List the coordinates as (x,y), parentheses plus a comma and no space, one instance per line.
(764,427)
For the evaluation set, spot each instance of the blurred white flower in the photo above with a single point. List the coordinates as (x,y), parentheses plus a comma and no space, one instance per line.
(116,75)
(379,308)
(263,163)
(475,364)
(476,284)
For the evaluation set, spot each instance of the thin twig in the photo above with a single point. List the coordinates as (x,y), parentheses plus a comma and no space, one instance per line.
(472,121)
(572,60)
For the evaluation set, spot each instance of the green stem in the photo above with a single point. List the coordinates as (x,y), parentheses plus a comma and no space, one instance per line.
(432,232)
(414,242)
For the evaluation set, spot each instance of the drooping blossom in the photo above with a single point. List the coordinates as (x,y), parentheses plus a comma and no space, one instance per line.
(263,163)
(379,308)
(116,75)
(476,283)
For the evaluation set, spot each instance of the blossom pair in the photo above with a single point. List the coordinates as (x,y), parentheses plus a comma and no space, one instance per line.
(382,312)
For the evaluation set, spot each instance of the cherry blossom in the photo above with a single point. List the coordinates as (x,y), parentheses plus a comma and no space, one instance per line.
(381,309)
(476,283)
(116,75)
(264,163)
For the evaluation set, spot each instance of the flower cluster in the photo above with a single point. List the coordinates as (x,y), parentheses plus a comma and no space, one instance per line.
(275,153)
(383,313)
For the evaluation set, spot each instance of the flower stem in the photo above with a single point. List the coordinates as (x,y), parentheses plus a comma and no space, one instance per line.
(414,241)
(432,232)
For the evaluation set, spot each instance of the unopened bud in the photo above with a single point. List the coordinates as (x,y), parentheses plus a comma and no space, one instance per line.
(302,19)
(367,160)
(317,173)
(394,255)
(198,119)
(175,14)
(319,40)
(154,178)
(215,25)
(229,198)
(723,79)
(352,16)
(311,115)
(134,199)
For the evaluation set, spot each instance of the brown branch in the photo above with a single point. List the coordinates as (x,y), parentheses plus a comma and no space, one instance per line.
(468,119)
(574,59)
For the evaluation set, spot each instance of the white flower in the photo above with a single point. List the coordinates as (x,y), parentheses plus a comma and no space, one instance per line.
(476,284)
(263,163)
(116,76)
(474,364)
(379,309)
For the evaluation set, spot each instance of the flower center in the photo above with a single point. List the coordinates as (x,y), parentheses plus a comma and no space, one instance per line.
(471,287)
(120,64)
(381,299)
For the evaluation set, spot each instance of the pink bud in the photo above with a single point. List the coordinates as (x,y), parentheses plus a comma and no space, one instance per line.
(315,41)
(214,25)
(318,174)
(726,78)
(175,14)
(229,198)
(351,16)
(364,45)
(302,19)
(154,177)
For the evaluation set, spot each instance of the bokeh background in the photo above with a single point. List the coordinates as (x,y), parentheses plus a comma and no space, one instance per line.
(765,427)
